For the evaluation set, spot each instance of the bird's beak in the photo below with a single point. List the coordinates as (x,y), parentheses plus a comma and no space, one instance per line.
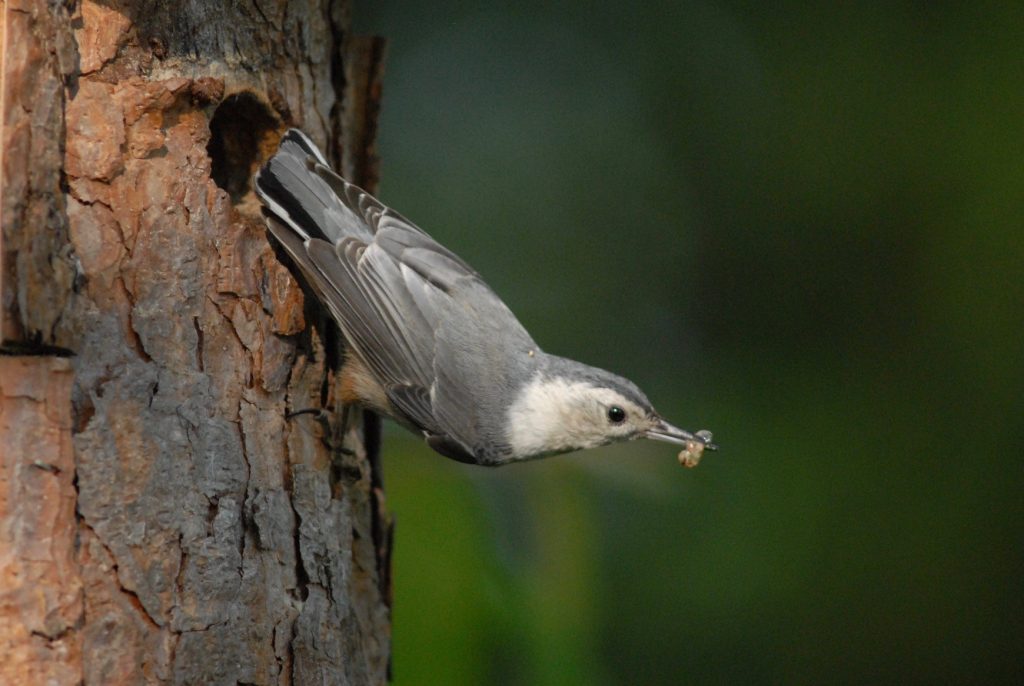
(663,431)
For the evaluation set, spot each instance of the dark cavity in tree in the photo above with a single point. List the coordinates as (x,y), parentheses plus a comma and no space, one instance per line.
(243,133)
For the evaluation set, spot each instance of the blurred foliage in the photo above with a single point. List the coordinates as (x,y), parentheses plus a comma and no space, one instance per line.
(796,224)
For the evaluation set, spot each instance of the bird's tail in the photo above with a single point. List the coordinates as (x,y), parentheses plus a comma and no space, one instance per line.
(299,189)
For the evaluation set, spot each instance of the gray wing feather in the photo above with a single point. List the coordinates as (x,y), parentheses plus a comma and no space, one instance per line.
(391,230)
(429,328)
(304,200)
(414,402)
(358,299)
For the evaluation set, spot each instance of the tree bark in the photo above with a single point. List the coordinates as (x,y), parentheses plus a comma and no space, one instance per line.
(161,521)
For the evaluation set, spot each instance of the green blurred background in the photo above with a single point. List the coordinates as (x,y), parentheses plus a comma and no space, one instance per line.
(799,226)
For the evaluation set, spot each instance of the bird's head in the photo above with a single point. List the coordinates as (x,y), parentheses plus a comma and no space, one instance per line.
(571,406)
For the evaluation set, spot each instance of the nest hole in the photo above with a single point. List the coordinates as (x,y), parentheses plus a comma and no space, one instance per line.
(243,133)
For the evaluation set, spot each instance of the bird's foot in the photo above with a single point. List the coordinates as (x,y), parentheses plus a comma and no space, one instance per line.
(334,432)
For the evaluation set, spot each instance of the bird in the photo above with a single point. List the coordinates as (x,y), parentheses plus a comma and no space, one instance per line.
(427,342)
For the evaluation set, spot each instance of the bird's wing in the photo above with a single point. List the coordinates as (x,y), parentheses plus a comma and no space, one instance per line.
(399,295)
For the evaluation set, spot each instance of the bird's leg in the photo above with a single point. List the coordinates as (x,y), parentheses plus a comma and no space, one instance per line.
(322,414)
(334,432)
(340,429)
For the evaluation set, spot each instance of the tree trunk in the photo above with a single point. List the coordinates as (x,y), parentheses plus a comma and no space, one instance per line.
(160,518)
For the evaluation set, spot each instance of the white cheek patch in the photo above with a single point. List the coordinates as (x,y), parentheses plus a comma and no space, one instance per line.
(537,419)
(553,414)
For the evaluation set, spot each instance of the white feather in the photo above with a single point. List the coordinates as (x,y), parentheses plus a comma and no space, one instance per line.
(553,414)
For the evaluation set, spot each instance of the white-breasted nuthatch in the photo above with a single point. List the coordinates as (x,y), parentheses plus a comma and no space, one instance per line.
(429,344)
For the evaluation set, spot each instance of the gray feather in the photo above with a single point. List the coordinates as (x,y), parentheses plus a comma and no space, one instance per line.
(302,199)
(443,345)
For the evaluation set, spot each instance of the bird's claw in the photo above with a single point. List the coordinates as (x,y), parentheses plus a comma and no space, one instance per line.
(322,413)
(334,437)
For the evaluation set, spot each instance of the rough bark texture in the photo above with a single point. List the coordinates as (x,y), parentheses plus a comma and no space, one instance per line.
(40,582)
(161,520)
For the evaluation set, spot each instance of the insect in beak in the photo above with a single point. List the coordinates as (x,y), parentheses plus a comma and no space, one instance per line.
(694,445)
(672,434)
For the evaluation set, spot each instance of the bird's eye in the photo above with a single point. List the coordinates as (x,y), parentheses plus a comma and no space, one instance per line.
(616,415)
